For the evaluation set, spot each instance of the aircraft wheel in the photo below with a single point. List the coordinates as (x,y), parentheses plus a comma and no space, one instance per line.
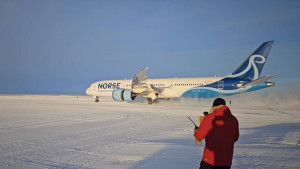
(150,102)
(156,101)
(97,99)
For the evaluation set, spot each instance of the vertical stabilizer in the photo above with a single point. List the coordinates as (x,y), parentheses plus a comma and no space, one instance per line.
(253,65)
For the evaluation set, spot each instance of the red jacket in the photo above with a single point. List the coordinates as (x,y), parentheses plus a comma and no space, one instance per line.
(220,130)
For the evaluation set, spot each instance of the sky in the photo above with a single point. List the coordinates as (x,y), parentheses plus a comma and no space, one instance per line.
(62,46)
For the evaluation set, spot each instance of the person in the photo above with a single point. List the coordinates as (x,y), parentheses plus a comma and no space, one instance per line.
(220,129)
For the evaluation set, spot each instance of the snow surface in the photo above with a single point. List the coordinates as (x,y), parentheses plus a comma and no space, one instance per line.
(39,131)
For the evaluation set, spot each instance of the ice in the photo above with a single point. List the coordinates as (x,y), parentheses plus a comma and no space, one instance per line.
(56,131)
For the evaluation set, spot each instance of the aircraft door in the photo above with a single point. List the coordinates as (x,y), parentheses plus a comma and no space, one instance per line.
(220,84)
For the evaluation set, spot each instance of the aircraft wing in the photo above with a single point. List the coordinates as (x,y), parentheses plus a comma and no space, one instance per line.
(140,77)
(140,85)
(258,81)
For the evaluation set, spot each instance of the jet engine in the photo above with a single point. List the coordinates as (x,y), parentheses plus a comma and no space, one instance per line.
(121,95)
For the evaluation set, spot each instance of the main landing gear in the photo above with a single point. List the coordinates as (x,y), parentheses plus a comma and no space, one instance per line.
(150,101)
(97,99)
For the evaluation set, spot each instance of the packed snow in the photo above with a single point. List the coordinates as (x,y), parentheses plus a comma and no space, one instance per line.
(46,131)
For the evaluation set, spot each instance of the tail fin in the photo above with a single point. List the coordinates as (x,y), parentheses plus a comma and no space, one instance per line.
(253,65)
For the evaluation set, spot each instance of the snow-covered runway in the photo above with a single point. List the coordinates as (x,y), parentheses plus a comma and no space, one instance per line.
(38,131)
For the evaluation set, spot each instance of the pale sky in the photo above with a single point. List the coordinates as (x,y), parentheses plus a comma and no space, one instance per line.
(62,46)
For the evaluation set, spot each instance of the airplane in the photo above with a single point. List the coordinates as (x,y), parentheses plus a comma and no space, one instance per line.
(244,78)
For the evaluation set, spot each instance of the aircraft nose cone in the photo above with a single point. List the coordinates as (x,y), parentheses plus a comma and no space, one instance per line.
(88,91)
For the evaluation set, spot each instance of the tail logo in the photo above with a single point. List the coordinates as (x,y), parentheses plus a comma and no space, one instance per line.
(252,63)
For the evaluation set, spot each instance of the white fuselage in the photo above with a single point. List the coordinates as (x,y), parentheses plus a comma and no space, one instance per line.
(172,87)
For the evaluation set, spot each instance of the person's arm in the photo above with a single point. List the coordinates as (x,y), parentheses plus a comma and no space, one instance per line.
(203,129)
(236,133)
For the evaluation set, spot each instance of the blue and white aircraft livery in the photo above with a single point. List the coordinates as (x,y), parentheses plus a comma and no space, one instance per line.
(245,78)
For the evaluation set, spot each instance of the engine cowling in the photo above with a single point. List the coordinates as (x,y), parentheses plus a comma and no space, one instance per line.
(120,95)
(117,95)
(128,95)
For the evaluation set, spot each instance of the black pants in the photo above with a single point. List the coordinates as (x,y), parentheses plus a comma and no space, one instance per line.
(204,165)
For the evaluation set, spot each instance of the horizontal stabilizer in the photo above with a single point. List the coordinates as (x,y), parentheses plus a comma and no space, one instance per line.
(258,81)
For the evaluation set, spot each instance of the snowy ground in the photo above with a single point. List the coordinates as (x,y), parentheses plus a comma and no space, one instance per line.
(69,132)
